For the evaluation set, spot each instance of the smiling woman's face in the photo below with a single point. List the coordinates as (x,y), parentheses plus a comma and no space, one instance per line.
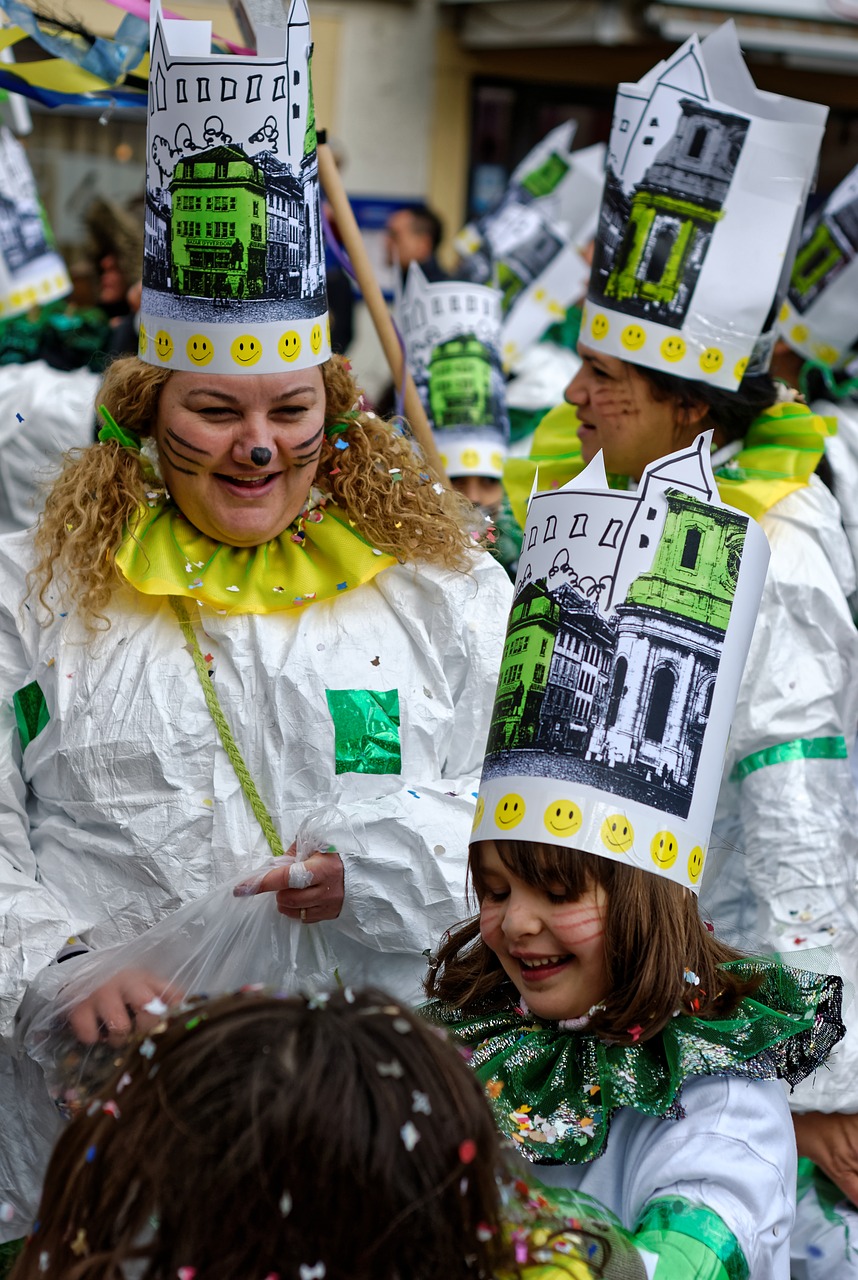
(620,415)
(205,429)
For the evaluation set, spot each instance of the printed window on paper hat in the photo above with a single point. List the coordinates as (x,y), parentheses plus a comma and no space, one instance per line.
(366,730)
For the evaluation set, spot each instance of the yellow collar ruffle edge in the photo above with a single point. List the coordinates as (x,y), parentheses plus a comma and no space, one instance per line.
(780,452)
(319,556)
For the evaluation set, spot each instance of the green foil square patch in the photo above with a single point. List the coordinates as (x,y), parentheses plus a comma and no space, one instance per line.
(31,712)
(366,730)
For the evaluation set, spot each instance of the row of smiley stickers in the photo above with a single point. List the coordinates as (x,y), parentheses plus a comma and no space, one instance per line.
(563,819)
(245,349)
(673,348)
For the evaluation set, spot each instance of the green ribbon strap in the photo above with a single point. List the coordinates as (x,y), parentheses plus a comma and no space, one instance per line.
(31,712)
(113,431)
(690,1240)
(230,746)
(798,749)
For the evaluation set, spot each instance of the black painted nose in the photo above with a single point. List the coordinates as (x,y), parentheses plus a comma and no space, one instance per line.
(259,456)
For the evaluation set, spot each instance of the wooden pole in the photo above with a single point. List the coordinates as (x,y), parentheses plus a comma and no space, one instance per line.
(376,305)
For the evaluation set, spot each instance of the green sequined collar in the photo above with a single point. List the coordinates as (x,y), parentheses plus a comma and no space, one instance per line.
(553,1091)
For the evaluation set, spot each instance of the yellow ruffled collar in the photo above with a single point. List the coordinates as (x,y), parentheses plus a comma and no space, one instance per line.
(780,452)
(319,556)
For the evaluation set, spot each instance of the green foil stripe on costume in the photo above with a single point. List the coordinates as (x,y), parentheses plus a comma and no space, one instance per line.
(798,749)
(690,1240)
(366,730)
(230,745)
(31,712)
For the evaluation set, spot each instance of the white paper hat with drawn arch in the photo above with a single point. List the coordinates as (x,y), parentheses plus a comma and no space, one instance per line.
(234,265)
(452,335)
(705,190)
(819,318)
(627,638)
(31,270)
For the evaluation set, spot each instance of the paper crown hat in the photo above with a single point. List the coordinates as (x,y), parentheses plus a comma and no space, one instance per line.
(452,344)
(234,271)
(706,184)
(819,318)
(31,270)
(528,246)
(627,638)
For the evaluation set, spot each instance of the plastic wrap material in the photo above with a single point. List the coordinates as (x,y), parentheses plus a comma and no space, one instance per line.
(222,942)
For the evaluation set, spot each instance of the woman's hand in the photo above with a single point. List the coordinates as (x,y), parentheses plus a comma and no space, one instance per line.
(831,1142)
(117,1007)
(321,900)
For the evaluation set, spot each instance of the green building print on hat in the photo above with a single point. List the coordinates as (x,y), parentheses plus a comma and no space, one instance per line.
(693,248)
(234,273)
(627,637)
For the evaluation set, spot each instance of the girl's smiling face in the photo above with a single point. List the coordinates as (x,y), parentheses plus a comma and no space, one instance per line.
(551,948)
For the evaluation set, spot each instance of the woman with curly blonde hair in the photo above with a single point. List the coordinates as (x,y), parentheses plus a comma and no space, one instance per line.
(250,608)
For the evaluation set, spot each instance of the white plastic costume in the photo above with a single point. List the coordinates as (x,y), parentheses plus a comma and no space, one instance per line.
(738,1131)
(43,412)
(781,872)
(125,806)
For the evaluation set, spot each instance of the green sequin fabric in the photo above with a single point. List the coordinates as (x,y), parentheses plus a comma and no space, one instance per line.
(554,1090)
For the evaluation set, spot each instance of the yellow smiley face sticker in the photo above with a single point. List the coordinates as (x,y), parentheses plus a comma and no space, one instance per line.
(328,330)
(478,812)
(599,326)
(739,370)
(563,818)
(470,458)
(826,354)
(617,834)
(695,864)
(664,849)
(163,345)
(509,812)
(246,350)
(200,349)
(289,346)
(316,339)
(799,333)
(142,340)
(633,337)
(673,348)
(711,360)
(783,314)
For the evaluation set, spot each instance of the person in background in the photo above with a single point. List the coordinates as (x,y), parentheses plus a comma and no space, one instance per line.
(414,234)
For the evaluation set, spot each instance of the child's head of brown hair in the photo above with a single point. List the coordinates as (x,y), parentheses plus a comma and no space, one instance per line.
(257,1137)
(654,938)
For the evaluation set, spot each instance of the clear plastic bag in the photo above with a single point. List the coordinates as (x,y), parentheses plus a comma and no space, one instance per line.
(223,942)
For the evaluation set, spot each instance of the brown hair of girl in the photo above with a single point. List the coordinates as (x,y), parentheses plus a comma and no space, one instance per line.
(260,1137)
(387,489)
(653,935)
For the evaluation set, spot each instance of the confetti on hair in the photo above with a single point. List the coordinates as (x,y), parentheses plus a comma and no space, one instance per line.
(342,445)
(635,1033)
(393,1069)
(439,488)
(147,1048)
(691,977)
(402,1025)
(284,1204)
(410,1135)
(80,1245)
(468,1151)
(420,1103)
(44,1260)
(316,1272)
(90,1153)
(186,1273)
(156,1006)
(110,1109)
(484,1232)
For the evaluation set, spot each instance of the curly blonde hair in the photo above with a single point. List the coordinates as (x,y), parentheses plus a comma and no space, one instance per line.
(380,481)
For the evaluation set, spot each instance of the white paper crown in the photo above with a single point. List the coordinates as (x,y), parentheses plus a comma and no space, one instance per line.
(628,634)
(452,334)
(819,318)
(31,271)
(528,246)
(706,185)
(234,267)
(481,452)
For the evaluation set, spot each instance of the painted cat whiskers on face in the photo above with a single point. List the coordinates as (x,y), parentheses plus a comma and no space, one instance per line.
(308,451)
(173,452)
